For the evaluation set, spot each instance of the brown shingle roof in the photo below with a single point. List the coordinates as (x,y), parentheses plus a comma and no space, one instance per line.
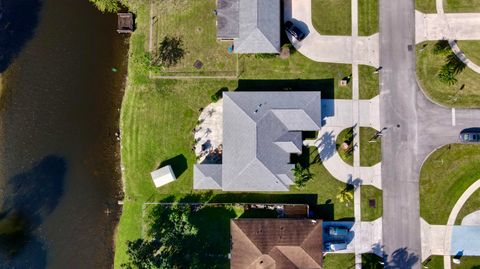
(276,243)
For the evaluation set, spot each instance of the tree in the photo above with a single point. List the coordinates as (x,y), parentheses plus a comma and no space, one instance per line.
(454,63)
(170,52)
(345,195)
(106,5)
(302,175)
(168,241)
(447,75)
(441,47)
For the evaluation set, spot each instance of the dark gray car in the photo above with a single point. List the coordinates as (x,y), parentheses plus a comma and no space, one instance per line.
(470,137)
(294,31)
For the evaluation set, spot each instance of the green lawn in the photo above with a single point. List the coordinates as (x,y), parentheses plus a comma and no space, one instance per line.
(332,17)
(472,205)
(368,82)
(471,49)
(428,66)
(368,213)
(158,116)
(426,6)
(337,261)
(367,17)
(445,175)
(434,262)
(461,6)
(345,136)
(370,152)
(194,23)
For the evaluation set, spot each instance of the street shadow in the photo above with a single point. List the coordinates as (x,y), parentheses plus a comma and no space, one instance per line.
(178,164)
(31,196)
(325,86)
(401,258)
(327,145)
(18,21)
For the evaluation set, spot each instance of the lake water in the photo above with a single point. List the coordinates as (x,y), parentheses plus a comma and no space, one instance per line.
(59,155)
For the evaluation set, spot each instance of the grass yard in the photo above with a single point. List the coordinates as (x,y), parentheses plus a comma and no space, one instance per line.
(461,6)
(368,213)
(434,262)
(472,205)
(428,66)
(337,261)
(158,116)
(445,175)
(368,82)
(426,6)
(332,17)
(471,49)
(370,152)
(345,136)
(367,17)
(194,22)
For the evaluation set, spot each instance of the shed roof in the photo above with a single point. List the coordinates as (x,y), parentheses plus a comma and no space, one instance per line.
(163,176)
(227,19)
(276,243)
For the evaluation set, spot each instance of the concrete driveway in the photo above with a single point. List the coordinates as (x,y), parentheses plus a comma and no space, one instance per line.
(327,48)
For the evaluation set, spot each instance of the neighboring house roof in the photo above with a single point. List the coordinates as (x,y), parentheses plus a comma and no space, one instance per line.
(260,131)
(259,27)
(227,19)
(276,243)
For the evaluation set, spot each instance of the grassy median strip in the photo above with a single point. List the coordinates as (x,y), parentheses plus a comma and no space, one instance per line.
(445,175)
(368,82)
(332,17)
(345,145)
(371,203)
(426,6)
(465,93)
(367,17)
(370,147)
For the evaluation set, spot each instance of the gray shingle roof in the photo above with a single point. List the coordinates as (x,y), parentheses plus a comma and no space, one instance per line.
(259,27)
(227,19)
(258,136)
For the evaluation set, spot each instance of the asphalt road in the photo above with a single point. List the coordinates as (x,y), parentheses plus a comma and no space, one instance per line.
(415,128)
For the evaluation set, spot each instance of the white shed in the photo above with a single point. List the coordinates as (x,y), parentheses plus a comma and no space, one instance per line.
(163,176)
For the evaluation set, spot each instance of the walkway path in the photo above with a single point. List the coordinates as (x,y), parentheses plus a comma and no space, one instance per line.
(326,48)
(451,221)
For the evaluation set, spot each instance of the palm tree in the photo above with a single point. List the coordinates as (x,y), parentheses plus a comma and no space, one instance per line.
(345,195)
(454,63)
(302,175)
(447,75)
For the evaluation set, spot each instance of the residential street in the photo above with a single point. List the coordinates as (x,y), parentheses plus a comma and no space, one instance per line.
(416,127)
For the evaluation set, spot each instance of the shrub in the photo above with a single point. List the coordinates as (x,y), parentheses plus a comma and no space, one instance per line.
(106,5)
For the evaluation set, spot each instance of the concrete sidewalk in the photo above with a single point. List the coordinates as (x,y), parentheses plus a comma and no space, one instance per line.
(324,48)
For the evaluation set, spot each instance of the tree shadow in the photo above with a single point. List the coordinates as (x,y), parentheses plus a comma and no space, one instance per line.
(401,258)
(18,22)
(31,196)
(178,164)
(327,145)
(325,86)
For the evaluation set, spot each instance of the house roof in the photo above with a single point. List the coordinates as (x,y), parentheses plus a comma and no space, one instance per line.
(276,243)
(257,141)
(227,19)
(210,174)
(259,27)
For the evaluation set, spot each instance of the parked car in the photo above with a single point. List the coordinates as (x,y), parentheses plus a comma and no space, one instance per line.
(335,245)
(470,137)
(294,31)
(337,231)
